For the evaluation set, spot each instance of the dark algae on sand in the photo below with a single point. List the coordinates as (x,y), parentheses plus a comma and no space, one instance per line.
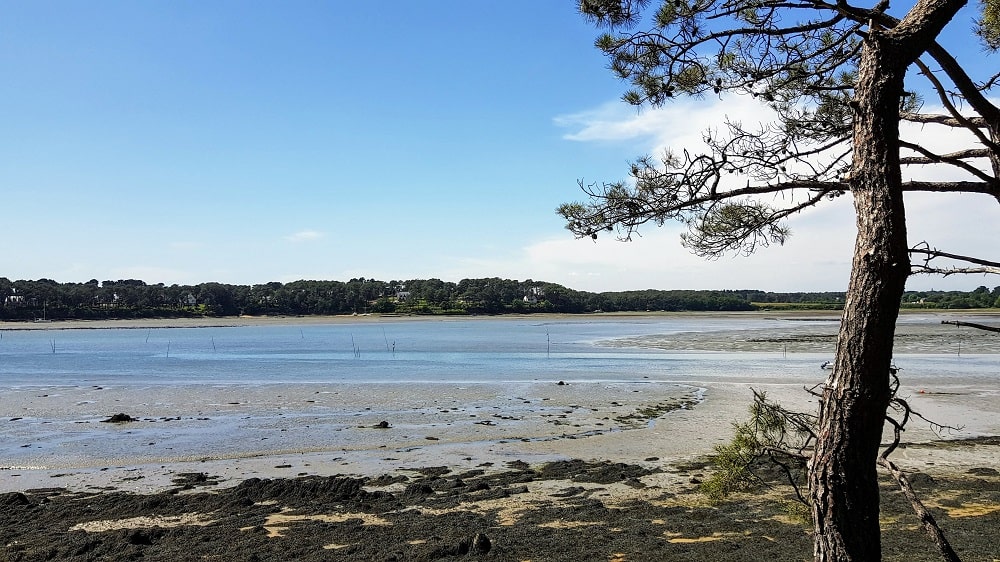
(560,511)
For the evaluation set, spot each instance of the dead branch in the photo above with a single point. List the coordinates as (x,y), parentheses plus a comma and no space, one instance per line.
(926,519)
(985,266)
(947,120)
(972,325)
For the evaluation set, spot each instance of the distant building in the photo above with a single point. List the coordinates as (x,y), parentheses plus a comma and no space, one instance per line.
(534,294)
(14,300)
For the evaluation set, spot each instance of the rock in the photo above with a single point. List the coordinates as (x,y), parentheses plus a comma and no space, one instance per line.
(418,490)
(13,499)
(518,465)
(119,418)
(481,544)
(192,479)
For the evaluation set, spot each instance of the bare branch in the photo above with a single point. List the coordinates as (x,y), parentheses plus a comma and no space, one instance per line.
(955,113)
(988,85)
(941,119)
(965,85)
(953,159)
(986,188)
(926,519)
(985,266)
(935,158)
(972,325)
(932,253)
(775,457)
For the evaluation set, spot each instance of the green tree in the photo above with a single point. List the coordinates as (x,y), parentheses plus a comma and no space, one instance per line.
(218,298)
(834,74)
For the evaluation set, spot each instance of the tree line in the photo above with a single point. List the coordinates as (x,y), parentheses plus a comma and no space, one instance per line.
(132,298)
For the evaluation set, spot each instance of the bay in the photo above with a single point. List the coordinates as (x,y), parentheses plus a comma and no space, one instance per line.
(258,391)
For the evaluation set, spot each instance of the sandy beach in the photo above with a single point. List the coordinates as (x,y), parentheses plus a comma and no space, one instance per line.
(644,444)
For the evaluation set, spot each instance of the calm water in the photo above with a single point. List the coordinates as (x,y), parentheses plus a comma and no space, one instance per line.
(469,350)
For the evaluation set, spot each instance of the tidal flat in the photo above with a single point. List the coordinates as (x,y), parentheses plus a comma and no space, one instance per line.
(604,466)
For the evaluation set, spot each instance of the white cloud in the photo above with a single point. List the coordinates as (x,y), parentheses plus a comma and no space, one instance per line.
(818,255)
(305,236)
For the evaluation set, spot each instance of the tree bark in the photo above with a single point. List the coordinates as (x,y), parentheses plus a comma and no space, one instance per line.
(843,480)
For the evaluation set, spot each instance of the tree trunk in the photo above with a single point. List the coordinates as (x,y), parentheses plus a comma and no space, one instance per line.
(843,483)
(843,480)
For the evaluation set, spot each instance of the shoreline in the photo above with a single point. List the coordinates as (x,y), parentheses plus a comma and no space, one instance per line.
(239,321)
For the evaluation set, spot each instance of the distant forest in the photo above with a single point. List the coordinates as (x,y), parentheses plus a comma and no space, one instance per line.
(45,299)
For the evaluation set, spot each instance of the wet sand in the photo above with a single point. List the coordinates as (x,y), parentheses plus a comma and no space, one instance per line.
(283,430)
(286,429)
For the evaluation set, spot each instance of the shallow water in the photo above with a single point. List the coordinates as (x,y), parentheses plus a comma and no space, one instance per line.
(228,392)
(477,350)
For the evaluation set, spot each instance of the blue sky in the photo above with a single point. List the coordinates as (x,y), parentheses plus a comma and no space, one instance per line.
(246,142)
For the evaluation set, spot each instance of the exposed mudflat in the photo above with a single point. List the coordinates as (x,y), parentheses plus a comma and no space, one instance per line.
(915,333)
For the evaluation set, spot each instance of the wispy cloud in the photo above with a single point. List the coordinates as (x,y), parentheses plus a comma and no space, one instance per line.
(305,236)
(612,121)
(678,125)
